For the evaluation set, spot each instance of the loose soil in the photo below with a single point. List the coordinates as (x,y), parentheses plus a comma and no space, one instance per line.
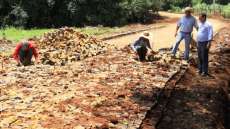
(197,102)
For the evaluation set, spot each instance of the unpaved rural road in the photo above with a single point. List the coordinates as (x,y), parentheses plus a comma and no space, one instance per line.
(162,37)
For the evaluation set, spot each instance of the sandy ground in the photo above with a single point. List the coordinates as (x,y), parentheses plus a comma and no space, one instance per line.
(162,37)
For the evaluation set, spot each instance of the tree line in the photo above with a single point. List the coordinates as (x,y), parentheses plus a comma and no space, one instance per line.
(57,13)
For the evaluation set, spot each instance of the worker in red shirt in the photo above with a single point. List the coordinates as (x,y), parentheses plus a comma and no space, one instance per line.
(24,52)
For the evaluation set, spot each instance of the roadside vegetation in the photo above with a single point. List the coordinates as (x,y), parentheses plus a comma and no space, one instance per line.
(221,7)
(107,16)
(16,33)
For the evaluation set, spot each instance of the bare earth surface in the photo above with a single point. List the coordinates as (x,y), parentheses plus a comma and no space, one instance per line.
(115,91)
(198,102)
(163,37)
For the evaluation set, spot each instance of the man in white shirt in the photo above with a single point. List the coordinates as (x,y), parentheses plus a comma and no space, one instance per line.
(204,38)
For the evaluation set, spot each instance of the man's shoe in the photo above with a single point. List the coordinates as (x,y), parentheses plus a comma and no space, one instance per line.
(206,75)
(199,72)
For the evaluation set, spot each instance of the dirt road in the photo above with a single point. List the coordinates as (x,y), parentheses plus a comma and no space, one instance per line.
(162,37)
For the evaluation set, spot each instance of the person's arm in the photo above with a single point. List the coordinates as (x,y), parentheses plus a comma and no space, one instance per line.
(178,26)
(196,24)
(134,44)
(16,52)
(149,45)
(35,52)
(210,36)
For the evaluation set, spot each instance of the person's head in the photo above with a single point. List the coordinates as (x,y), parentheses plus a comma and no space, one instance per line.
(25,45)
(188,11)
(203,17)
(145,36)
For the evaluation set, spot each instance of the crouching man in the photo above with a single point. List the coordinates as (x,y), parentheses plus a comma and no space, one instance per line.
(24,52)
(142,46)
(204,38)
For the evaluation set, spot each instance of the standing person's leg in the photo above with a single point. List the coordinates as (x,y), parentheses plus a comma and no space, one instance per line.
(200,58)
(187,46)
(205,65)
(176,45)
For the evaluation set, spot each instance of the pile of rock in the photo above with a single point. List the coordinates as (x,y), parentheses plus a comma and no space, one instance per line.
(67,45)
(5,41)
(5,49)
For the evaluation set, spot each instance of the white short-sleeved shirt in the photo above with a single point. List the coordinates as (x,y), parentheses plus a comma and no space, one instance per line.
(205,32)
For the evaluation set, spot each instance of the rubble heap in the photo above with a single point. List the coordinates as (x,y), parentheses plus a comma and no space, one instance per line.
(67,45)
(5,41)
(5,48)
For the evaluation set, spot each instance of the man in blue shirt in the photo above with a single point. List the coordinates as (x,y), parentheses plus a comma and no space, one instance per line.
(185,25)
(204,38)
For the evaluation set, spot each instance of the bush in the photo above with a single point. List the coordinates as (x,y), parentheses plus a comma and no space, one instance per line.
(17,17)
(57,13)
(176,9)
(226,11)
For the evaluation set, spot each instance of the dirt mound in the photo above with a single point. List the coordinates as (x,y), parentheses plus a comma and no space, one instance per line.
(67,45)
(5,47)
(5,41)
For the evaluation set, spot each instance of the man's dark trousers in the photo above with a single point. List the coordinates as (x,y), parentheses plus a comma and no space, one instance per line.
(203,57)
(142,51)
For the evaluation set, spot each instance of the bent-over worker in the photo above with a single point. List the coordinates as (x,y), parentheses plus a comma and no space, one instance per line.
(24,52)
(142,46)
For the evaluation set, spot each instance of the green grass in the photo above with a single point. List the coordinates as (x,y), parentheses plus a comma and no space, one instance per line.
(17,34)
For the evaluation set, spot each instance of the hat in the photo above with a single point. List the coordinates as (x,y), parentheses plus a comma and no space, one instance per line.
(188,9)
(146,35)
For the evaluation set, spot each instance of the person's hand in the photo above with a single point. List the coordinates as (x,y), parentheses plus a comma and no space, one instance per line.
(175,34)
(19,64)
(209,45)
(37,61)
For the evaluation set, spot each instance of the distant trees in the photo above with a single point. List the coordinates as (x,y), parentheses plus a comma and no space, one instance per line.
(56,13)
(169,4)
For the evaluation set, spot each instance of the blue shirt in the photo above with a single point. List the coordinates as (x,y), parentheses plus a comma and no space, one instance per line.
(140,43)
(205,32)
(186,24)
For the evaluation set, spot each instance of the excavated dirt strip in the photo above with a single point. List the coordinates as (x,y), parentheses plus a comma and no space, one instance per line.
(111,90)
(197,102)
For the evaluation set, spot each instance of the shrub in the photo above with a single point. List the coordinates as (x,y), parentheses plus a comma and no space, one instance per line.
(56,13)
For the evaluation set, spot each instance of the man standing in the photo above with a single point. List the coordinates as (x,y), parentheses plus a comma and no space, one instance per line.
(185,24)
(204,38)
(24,52)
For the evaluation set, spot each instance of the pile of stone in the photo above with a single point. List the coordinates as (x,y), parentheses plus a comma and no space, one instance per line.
(5,49)
(5,41)
(68,45)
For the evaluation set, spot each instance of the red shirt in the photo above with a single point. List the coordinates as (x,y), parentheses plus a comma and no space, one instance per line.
(31,46)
